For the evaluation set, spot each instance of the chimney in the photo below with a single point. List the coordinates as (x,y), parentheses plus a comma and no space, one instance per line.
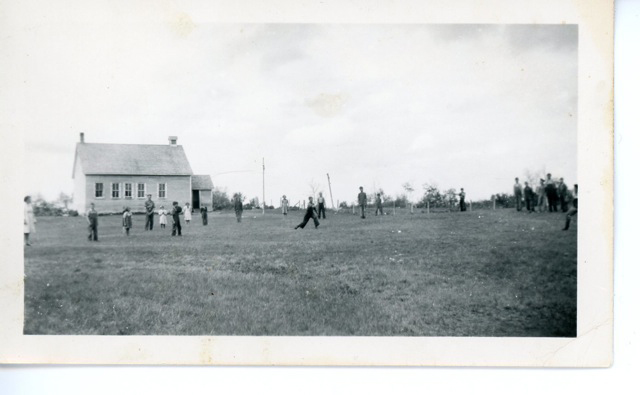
(81,137)
(173,140)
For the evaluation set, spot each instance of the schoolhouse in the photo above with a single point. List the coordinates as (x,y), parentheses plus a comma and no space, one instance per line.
(113,176)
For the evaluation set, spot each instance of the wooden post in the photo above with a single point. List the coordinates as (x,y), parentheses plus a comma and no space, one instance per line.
(264,203)
(353,209)
(394,207)
(428,207)
(330,193)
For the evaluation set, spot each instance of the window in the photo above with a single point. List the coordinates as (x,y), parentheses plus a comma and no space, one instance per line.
(141,191)
(99,189)
(115,190)
(128,192)
(162,191)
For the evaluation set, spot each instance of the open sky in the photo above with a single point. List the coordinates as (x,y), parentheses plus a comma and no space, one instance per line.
(468,106)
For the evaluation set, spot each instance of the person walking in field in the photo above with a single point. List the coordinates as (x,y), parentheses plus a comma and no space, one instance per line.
(552,194)
(529,198)
(543,204)
(309,214)
(92,220)
(574,210)
(126,220)
(563,192)
(362,202)
(175,216)
(285,205)
(517,192)
(463,204)
(379,204)
(29,220)
(162,213)
(237,206)
(187,213)
(149,207)
(205,215)
(321,212)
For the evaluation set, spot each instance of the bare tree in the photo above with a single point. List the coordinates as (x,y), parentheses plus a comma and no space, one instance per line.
(314,187)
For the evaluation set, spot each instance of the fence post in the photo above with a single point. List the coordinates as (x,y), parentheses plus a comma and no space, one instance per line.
(428,207)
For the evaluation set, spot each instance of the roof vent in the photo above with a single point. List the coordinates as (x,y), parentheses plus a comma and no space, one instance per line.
(173,140)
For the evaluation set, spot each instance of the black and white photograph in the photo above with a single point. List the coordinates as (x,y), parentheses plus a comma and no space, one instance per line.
(195,179)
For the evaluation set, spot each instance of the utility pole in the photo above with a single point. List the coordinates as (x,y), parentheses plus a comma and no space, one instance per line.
(264,203)
(330,193)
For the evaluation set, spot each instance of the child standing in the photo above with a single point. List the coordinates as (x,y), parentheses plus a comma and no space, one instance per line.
(126,220)
(187,213)
(162,213)
(204,214)
(175,215)
(285,205)
(92,219)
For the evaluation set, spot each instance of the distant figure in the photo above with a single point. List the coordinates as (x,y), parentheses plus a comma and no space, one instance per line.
(92,220)
(285,205)
(126,220)
(552,194)
(205,215)
(321,212)
(563,193)
(162,213)
(187,213)
(175,215)
(463,204)
(379,204)
(517,192)
(543,204)
(237,206)
(574,209)
(362,202)
(529,198)
(149,206)
(310,213)
(29,220)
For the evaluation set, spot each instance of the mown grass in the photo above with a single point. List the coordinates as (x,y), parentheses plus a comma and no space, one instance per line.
(480,273)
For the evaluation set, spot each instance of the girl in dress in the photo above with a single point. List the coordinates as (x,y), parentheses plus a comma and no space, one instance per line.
(285,205)
(29,220)
(126,220)
(163,217)
(187,213)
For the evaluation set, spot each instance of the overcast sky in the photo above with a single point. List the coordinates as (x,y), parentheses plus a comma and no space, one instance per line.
(468,106)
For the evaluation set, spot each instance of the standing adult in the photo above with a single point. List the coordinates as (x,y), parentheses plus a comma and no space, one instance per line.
(29,220)
(149,207)
(379,204)
(285,205)
(517,192)
(321,212)
(309,214)
(92,220)
(529,198)
(552,194)
(543,204)
(175,216)
(563,192)
(574,209)
(205,215)
(362,202)
(463,204)
(237,206)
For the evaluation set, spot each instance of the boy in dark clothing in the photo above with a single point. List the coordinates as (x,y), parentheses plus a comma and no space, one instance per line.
(92,219)
(362,202)
(204,214)
(310,213)
(237,206)
(175,215)
(379,204)
(529,198)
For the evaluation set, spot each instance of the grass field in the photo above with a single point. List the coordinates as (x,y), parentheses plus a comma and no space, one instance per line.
(480,273)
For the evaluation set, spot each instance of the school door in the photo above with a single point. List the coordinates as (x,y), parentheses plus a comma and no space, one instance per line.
(195,199)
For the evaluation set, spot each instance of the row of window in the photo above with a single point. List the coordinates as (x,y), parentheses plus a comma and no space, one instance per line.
(125,190)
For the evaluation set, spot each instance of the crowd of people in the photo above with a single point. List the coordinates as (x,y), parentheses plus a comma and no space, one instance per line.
(547,196)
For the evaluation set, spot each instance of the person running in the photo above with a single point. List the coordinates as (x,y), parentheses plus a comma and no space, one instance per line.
(237,206)
(517,192)
(463,204)
(321,212)
(529,198)
(285,205)
(29,220)
(175,215)
(162,213)
(126,220)
(362,202)
(205,215)
(92,220)
(309,214)
(187,213)
(574,210)
(379,204)
(149,206)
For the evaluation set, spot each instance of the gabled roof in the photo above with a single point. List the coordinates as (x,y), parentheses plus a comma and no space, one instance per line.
(200,182)
(132,159)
